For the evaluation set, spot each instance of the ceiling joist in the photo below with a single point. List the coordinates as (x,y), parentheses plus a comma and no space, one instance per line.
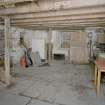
(53,13)
(33,8)
(57,19)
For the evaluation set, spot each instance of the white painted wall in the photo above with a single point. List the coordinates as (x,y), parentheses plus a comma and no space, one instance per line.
(37,34)
(38,45)
(57,39)
(29,35)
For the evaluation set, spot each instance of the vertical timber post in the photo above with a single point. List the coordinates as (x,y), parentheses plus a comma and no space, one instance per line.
(7,53)
(69,47)
(49,45)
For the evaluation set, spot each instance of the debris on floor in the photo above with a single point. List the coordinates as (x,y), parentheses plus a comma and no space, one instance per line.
(58,84)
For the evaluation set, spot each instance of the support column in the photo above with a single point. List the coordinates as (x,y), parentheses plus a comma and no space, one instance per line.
(49,45)
(7,53)
(69,49)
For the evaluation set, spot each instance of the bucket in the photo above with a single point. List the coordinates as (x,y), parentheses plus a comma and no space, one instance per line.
(23,62)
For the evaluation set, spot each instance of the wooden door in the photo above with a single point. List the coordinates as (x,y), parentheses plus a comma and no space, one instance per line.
(78,47)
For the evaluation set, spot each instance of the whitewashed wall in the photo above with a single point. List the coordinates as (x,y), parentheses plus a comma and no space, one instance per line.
(37,34)
(28,36)
(16,51)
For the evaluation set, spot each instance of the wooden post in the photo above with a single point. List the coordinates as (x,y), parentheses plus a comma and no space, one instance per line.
(98,82)
(7,55)
(69,48)
(49,45)
(95,77)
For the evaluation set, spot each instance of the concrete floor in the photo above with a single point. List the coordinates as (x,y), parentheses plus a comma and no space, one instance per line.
(59,84)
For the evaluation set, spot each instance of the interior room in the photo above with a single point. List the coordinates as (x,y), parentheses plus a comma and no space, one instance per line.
(52,52)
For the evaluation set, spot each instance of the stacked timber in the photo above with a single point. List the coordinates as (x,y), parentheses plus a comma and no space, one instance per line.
(78,47)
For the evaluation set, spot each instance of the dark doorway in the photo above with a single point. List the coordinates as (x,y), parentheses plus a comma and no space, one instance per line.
(59,56)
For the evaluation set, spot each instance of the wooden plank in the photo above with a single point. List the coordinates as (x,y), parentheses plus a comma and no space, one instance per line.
(49,45)
(78,55)
(57,14)
(79,51)
(72,25)
(52,19)
(64,23)
(7,55)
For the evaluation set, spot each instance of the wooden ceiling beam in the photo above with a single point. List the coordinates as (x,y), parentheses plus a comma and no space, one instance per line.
(58,14)
(100,15)
(63,25)
(54,14)
(70,28)
(83,26)
(61,22)
(58,20)
(45,5)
